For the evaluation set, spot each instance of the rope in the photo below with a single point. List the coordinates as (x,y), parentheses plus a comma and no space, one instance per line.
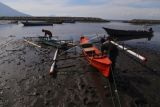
(116,90)
(111,94)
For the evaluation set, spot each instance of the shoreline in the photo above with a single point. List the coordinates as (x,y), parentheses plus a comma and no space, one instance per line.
(56,19)
(143,21)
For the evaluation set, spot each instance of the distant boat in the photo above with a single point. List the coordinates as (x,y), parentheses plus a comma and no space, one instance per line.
(36,24)
(69,21)
(123,33)
(55,22)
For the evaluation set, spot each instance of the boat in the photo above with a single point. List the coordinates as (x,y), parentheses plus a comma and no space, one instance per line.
(127,38)
(118,33)
(55,22)
(62,44)
(47,41)
(37,24)
(69,21)
(101,62)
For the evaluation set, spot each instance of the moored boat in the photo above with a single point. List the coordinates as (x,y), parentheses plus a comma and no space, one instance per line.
(37,24)
(69,21)
(94,57)
(62,44)
(117,33)
(126,38)
(47,41)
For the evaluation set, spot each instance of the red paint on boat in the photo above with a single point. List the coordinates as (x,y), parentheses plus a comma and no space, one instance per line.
(94,57)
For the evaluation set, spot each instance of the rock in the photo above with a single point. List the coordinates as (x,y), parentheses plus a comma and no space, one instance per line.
(35,94)
(48,91)
(18,63)
(42,60)
(105,87)
(85,100)
(46,103)
(1,92)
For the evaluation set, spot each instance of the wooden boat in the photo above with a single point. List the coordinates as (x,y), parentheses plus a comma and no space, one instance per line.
(126,38)
(62,44)
(117,33)
(94,57)
(47,41)
(37,24)
(55,22)
(69,21)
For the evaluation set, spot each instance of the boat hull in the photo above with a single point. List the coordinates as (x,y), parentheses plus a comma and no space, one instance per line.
(125,33)
(36,24)
(101,63)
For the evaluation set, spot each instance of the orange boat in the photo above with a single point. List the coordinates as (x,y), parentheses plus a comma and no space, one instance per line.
(94,57)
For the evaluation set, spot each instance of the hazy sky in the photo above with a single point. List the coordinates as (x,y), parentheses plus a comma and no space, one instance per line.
(109,9)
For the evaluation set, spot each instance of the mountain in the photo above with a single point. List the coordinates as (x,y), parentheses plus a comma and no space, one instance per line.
(8,11)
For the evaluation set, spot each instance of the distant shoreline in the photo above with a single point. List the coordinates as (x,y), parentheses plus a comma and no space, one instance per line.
(55,19)
(143,21)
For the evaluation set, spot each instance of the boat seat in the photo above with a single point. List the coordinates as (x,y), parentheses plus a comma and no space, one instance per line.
(91,49)
(86,45)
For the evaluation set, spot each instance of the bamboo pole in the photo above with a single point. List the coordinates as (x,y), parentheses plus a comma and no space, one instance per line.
(32,43)
(128,50)
(54,63)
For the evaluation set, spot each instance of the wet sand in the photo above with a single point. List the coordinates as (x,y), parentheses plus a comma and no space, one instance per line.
(25,79)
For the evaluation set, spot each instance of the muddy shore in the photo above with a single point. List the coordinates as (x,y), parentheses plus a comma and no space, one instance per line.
(25,79)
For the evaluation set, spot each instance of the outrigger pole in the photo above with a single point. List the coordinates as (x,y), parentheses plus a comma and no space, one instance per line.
(54,63)
(32,43)
(128,50)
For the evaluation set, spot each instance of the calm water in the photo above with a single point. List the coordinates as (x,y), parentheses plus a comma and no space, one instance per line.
(74,31)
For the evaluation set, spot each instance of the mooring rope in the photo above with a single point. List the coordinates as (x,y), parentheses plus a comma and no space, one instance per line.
(116,89)
(111,94)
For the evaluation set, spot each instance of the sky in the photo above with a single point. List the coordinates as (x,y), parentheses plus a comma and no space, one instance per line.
(107,9)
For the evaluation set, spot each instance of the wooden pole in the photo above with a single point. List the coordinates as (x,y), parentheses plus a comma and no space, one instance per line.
(128,51)
(54,63)
(32,43)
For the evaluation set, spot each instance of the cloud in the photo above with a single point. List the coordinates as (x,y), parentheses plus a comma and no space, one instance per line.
(109,9)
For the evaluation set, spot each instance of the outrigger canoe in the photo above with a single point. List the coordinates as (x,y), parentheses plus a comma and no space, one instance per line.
(61,44)
(101,62)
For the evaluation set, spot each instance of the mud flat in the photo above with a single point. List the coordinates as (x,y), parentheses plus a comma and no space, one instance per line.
(25,80)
